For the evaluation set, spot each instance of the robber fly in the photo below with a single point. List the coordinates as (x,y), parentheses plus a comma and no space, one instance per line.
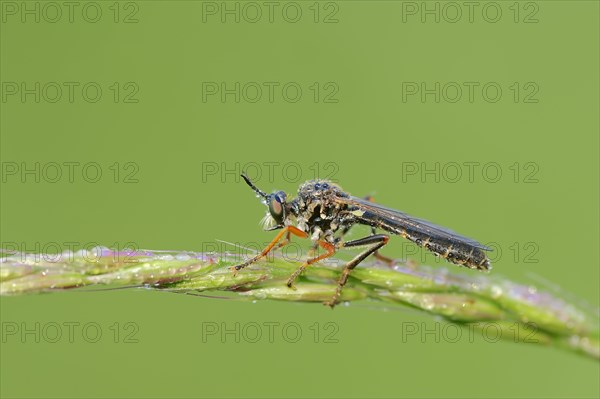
(321,209)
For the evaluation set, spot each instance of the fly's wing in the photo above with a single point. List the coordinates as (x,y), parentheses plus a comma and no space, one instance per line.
(439,240)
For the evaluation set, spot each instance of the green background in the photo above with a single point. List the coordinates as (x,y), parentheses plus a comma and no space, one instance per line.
(370,135)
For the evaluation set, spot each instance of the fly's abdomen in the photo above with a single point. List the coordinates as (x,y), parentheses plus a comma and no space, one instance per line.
(453,251)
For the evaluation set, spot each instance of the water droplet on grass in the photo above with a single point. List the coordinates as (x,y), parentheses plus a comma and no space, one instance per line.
(532,290)
(427,302)
(496,291)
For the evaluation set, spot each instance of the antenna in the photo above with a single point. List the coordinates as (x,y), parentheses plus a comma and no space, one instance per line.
(253,187)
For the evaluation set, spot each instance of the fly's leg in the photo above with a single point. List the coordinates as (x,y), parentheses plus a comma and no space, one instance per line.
(286,231)
(374,242)
(313,249)
(412,264)
(330,248)
(388,261)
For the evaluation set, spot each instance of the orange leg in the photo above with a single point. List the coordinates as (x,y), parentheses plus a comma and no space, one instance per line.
(286,231)
(313,250)
(330,248)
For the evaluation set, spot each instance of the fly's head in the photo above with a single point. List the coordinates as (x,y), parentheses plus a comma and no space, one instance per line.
(279,210)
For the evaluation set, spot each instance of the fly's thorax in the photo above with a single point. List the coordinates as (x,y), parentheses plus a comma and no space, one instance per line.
(317,210)
(318,192)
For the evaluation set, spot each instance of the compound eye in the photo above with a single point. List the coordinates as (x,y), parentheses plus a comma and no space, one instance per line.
(281,197)
(275,207)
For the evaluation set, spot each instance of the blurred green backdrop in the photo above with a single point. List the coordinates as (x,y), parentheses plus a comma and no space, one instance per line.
(379,107)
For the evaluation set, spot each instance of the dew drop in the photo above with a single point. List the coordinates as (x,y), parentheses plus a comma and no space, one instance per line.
(496,291)
(427,302)
(531,289)
(81,253)
(574,340)
(570,324)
